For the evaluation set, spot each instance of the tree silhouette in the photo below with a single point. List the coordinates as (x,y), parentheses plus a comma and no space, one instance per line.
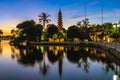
(44,68)
(51,30)
(0,34)
(27,31)
(43,18)
(73,32)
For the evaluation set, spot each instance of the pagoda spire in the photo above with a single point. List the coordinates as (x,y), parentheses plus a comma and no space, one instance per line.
(60,26)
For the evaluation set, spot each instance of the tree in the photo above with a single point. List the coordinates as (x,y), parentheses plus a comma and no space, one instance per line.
(73,32)
(114,33)
(85,22)
(84,30)
(62,33)
(79,23)
(0,34)
(27,31)
(51,30)
(38,31)
(43,18)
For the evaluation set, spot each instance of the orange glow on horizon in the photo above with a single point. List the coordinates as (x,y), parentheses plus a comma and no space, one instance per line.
(6,33)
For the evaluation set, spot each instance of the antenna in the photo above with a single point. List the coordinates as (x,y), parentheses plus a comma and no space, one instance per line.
(85,10)
(102,13)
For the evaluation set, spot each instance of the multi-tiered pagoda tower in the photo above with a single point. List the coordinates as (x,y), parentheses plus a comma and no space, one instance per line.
(60,26)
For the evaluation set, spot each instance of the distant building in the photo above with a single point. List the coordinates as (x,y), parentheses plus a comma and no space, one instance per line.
(5,38)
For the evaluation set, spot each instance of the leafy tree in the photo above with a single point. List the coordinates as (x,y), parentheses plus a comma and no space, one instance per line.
(107,26)
(27,31)
(38,31)
(62,33)
(114,33)
(51,30)
(73,32)
(84,33)
(84,30)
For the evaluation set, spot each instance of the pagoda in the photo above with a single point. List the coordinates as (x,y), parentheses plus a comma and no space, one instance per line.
(60,26)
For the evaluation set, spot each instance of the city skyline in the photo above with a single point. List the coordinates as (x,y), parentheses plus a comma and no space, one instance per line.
(14,12)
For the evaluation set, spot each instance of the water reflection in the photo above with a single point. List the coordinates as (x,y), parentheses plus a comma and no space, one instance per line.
(48,56)
(27,56)
(1,48)
(80,56)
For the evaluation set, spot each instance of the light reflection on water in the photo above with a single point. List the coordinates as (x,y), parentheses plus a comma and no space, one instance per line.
(55,63)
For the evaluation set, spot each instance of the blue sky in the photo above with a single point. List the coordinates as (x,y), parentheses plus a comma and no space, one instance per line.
(13,12)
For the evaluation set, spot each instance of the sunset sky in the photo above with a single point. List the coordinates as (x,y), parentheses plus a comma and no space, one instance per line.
(13,12)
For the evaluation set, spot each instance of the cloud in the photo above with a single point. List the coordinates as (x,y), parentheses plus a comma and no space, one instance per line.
(105,14)
(117,12)
(76,17)
(94,15)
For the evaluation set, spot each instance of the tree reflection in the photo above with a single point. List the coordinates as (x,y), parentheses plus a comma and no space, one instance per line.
(1,49)
(44,56)
(44,68)
(27,56)
(78,55)
(52,57)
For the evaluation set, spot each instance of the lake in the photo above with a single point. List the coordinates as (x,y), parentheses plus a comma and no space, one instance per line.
(56,63)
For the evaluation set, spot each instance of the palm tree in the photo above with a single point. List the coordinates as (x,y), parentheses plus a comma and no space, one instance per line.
(79,23)
(85,22)
(43,18)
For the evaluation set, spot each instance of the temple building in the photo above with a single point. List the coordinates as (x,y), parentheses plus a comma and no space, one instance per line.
(60,26)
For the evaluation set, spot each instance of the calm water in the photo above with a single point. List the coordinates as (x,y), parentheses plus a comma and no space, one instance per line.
(56,63)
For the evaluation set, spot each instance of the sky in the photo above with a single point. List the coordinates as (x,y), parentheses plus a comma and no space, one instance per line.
(13,12)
